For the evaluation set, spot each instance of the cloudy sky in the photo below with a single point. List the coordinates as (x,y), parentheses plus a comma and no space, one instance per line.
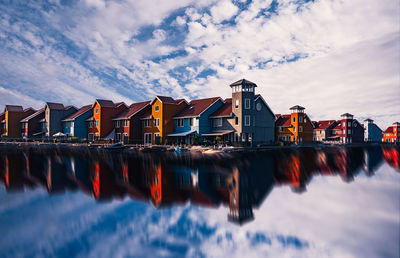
(330,56)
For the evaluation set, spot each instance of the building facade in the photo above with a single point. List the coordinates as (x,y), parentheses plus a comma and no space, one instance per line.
(54,114)
(391,134)
(31,126)
(372,133)
(100,125)
(296,127)
(348,130)
(158,124)
(323,129)
(75,125)
(128,124)
(12,117)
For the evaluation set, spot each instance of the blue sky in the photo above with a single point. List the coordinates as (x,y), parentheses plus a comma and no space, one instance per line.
(330,56)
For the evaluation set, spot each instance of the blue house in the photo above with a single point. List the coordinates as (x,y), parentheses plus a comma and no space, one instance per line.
(75,125)
(194,120)
(372,133)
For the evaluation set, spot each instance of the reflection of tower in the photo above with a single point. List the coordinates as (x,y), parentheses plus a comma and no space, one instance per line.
(240,209)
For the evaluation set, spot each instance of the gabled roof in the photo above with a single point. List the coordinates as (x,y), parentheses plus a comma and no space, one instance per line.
(179,101)
(57,106)
(243,82)
(283,120)
(14,108)
(297,107)
(258,96)
(80,112)
(147,115)
(104,103)
(368,120)
(197,107)
(225,110)
(323,124)
(133,109)
(120,104)
(37,113)
(389,130)
(164,100)
(28,109)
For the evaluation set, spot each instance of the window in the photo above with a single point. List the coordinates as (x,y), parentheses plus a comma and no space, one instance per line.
(156,108)
(294,119)
(236,120)
(126,123)
(247,120)
(251,88)
(247,103)
(305,120)
(218,122)
(294,129)
(344,124)
(191,121)
(237,103)
(90,124)
(157,122)
(97,110)
(280,129)
(180,122)
(147,123)
(300,119)
(300,129)
(349,131)
(72,124)
(117,124)
(97,123)
(349,124)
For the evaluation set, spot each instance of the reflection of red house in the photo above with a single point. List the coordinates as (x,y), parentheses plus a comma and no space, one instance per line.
(392,157)
(15,172)
(323,163)
(104,183)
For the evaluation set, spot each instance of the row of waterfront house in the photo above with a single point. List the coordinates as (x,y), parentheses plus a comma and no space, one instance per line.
(243,119)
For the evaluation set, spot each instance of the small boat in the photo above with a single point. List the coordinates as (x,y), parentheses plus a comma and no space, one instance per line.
(115,146)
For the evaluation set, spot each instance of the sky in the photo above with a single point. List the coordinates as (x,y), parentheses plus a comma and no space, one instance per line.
(330,56)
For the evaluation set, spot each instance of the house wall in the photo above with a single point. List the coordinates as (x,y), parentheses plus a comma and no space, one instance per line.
(285,133)
(135,126)
(264,131)
(13,125)
(34,125)
(54,118)
(205,121)
(2,117)
(81,126)
(372,133)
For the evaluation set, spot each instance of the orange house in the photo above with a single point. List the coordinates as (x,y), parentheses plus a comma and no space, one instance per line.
(159,123)
(296,127)
(2,123)
(392,133)
(101,125)
(12,117)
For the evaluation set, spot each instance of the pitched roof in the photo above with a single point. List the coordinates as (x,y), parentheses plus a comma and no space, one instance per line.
(178,101)
(224,110)
(196,107)
(369,120)
(389,130)
(323,124)
(339,125)
(57,106)
(297,107)
(283,120)
(26,119)
(78,113)
(105,103)
(132,110)
(29,108)
(346,114)
(243,82)
(14,108)
(147,115)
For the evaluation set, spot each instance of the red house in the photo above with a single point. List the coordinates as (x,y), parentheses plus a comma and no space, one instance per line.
(128,125)
(348,130)
(31,125)
(392,133)
(100,124)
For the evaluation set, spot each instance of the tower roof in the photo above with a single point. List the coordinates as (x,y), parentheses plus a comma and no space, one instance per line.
(243,82)
(297,107)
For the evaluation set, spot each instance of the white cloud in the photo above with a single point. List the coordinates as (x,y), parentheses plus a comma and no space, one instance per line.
(223,10)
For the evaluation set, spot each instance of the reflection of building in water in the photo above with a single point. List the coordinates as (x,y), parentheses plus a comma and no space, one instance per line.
(392,157)
(103,178)
(325,163)
(372,159)
(348,162)
(15,172)
(56,175)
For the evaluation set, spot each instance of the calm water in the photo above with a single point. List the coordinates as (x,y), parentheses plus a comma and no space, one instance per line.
(304,202)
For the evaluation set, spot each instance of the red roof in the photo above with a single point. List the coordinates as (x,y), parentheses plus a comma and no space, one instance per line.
(196,107)
(166,100)
(339,126)
(389,130)
(224,110)
(133,109)
(26,119)
(81,111)
(177,101)
(147,115)
(52,105)
(105,103)
(322,125)
(283,120)
(14,108)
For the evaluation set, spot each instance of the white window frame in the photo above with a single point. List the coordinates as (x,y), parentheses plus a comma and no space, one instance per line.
(117,124)
(156,108)
(180,122)
(247,120)
(147,123)
(218,122)
(237,104)
(118,137)
(247,104)
(348,131)
(157,122)
(126,123)
(97,110)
